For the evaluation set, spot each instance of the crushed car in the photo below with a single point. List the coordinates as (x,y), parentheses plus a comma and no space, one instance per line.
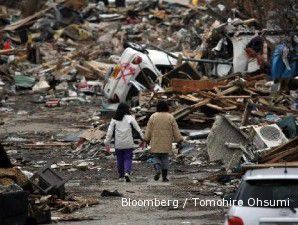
(138,69)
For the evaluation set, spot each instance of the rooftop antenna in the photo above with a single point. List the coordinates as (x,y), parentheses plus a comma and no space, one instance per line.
(285,171)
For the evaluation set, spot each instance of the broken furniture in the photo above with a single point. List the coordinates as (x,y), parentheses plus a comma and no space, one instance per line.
(47,181)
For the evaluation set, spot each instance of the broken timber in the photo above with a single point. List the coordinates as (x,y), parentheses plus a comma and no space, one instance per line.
(181,113)
(190,86)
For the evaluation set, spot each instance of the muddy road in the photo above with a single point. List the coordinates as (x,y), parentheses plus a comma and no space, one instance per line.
(29,122)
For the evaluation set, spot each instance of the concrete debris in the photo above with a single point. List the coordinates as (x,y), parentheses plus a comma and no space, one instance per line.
(223,132)
(41,86)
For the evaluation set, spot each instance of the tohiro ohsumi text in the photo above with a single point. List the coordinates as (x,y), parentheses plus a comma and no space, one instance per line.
(197,202)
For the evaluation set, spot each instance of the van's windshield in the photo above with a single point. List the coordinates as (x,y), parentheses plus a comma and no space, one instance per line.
(269,193)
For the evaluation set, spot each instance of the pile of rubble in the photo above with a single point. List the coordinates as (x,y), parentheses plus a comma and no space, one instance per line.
(246,121)
(37,194)
(223,81)
(70,49)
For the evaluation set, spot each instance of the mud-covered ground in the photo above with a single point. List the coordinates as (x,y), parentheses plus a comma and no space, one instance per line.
(30,122)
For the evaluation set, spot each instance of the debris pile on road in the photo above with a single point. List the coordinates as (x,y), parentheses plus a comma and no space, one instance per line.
(65,51)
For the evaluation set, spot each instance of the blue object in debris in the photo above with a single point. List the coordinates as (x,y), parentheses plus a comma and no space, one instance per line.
(277,65)
(272,118)
(289,126)
(150,160)
(278,68)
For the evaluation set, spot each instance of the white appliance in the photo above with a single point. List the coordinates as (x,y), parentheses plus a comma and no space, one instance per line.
(268,136)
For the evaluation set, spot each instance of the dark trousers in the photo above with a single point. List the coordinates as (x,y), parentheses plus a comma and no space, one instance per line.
(124,161)
(161,161)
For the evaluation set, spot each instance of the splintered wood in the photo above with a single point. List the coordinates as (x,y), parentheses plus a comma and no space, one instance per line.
(229,94)
(190,86)
(284,153)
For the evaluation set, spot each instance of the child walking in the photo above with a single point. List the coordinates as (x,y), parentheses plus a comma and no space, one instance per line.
(121,130)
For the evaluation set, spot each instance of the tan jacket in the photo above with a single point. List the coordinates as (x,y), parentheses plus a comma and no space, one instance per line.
(162,130)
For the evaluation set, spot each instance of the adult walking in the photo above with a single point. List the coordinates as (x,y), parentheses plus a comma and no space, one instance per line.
(162,130)
(121,129)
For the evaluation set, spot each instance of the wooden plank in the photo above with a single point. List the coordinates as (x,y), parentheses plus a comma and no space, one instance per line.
(232,107)
(229,90)
(278,109)
(288,145)
(228,103)
(250,91)
(195,120)
(189,98)
(221,109)
(99,68)
(201,103)
(234,96)
(25,21)
(190,86)
(46,145)
(84,70)
(283,154)
(183,112)
(12,51)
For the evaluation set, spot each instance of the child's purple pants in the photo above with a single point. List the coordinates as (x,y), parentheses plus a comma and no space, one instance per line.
(124,161)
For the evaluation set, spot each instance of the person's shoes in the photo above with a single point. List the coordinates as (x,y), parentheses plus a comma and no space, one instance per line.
(121,179)
(165,179)
(156,176)
(126,176)
(164,176)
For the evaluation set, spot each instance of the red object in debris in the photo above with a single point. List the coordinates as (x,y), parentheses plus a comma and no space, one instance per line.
(132,21)
(85,87)
(53,103)
(7,45)
(233,220)
(82,85)
(126,70)
(137,60)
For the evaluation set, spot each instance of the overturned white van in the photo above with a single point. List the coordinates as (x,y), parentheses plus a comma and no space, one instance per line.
(138,69)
